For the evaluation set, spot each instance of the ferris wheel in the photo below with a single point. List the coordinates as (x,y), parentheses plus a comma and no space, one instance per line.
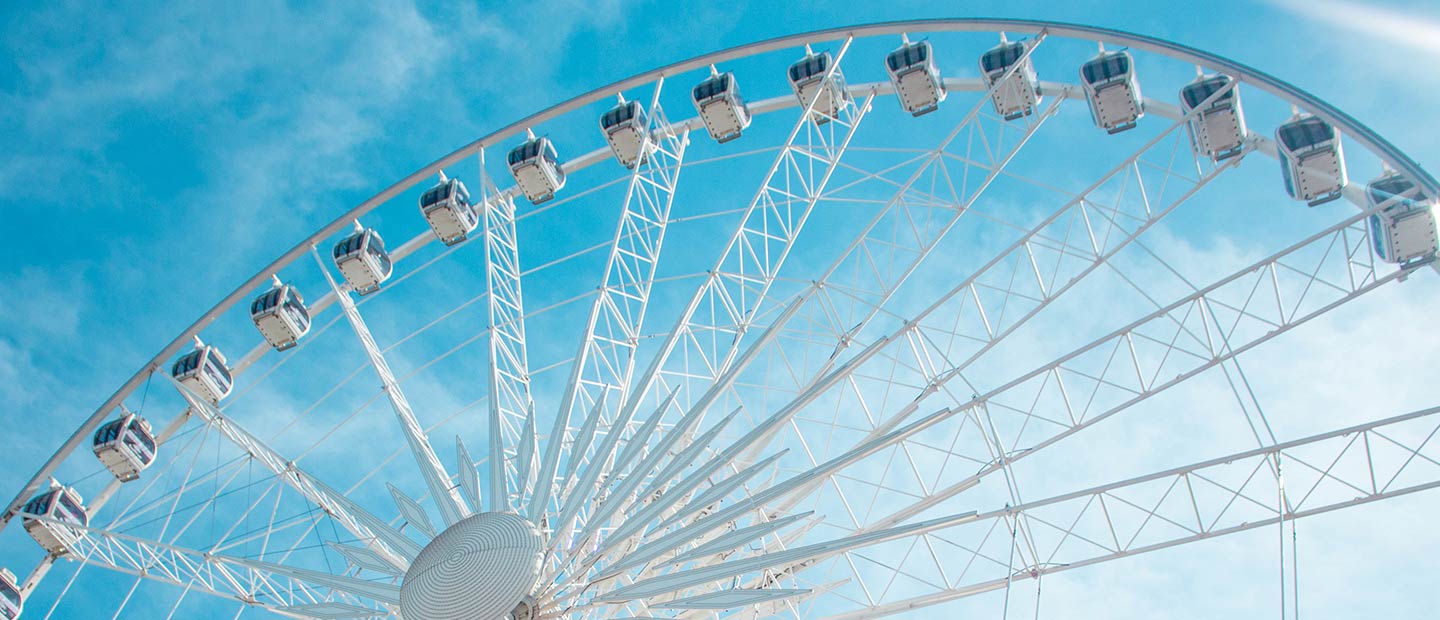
(832,350)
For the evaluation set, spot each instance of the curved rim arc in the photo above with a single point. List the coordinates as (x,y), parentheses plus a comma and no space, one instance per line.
(1260,79)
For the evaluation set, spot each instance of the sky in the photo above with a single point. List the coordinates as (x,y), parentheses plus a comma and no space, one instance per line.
(157,155)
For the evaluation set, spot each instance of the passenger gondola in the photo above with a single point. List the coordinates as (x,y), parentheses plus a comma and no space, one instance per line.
(204,371)
(720,105)
(448,209)
(11,603)
(1112,91)
(126,446)
(1018,94)
(362,259)
(1217,130)
(280,315)
(60,505)
(1402,228)
(916,77)
(1311,160)
(536,168)
(624,127)
(811,78)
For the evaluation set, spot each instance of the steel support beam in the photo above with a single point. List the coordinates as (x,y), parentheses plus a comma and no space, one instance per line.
(376,534)
(602,370)
(511,406)
(437,480)
(1342,468)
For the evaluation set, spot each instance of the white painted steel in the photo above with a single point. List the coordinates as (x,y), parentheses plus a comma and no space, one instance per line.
(621,516)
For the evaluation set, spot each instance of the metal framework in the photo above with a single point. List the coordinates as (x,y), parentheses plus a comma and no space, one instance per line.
(1367,138)
(724,306)
(288,591)
(791,446)
(1224,495)
(511,406)
(452,506)
(394,548)
(602,370)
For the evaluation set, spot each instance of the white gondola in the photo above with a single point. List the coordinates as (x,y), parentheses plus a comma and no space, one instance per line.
(1403,225)
(204,371)
(720,105)
(280,315)
(809,80)
(1217,130)
(1311,160)
(60,505)
(1017,95)
(536,168)
(624,127)
(362,259)
(126,446)
(11,603)
(916,77)
(448,209)
(1112,90)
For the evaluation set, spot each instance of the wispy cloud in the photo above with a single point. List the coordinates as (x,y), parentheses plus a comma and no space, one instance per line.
(1410,29)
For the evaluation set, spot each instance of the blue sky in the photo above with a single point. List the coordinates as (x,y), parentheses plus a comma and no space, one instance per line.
(156,156)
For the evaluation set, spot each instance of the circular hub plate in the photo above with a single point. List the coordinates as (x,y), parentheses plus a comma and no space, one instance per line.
(479,569)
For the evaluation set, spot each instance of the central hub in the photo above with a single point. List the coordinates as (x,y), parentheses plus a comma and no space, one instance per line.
(479,569)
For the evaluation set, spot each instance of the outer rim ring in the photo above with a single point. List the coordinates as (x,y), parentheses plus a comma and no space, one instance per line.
(1352,127)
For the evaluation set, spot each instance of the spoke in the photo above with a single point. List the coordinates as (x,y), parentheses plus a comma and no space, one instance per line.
(906,231)
(725,305)
(656,509)
(1178,341)
(437,480)
(1079,260)
(1049,260)
(99,501)
(1196,502)
(668,442)
(806,555)
(797,484)
(602,369)
(727,302)
(905,206)
(509,369)
(791,490)
(290,591)
(395,547)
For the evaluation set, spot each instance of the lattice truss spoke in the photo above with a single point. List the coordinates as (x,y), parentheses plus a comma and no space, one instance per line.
(1336,260)
(930,350)
(706,338)
(228,516)
(283,588)
(512,409)
(931,192)
(856,286)
(1172,344)
(940,559)
(1350,259)
(1343,468)
(1052,257)
(602,369)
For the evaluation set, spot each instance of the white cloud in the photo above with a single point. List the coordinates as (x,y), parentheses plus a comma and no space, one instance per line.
(1417,31)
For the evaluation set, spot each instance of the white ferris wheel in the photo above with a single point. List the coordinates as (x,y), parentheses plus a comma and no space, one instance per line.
(841,349)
